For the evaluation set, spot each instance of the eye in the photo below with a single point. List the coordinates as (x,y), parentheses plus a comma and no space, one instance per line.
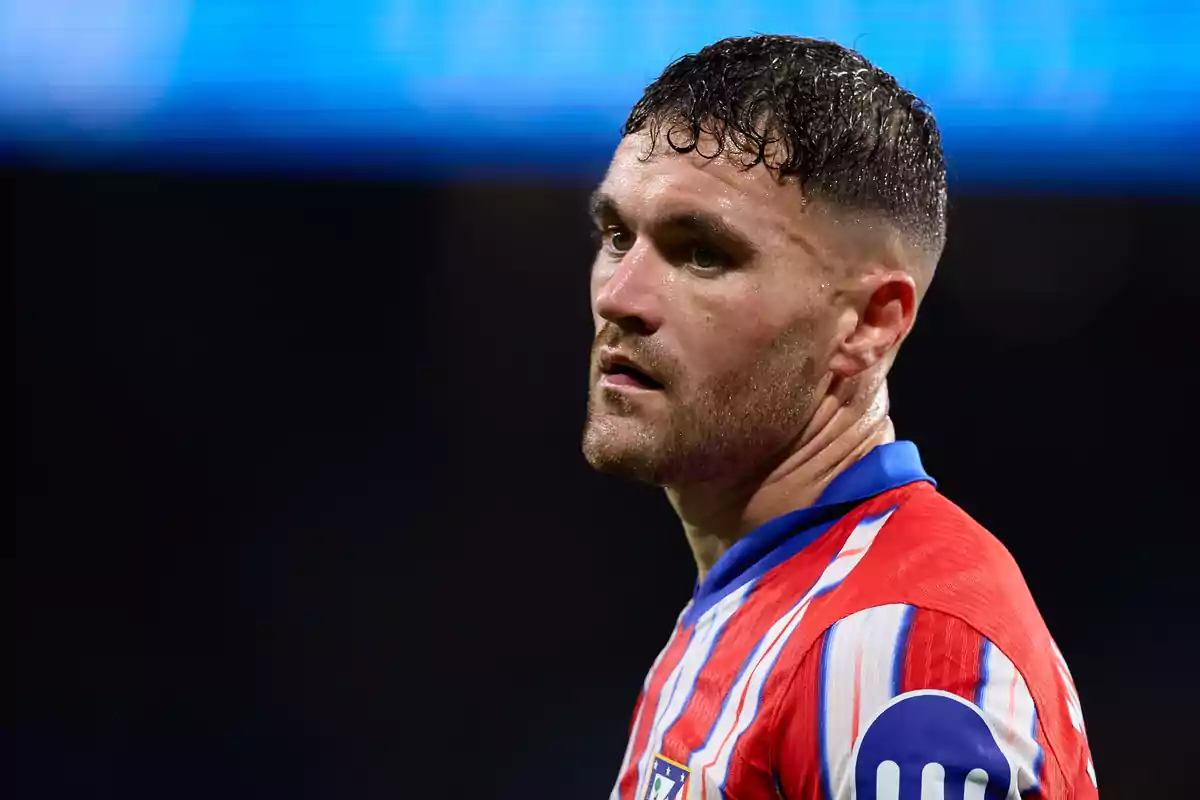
(708,259)
(616,240)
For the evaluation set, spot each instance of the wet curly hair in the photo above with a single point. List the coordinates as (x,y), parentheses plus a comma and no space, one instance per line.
(817,112)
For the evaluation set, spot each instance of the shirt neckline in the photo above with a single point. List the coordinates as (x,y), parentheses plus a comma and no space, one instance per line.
(885,467)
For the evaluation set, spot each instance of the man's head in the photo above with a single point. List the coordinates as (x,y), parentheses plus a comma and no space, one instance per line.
(769,221)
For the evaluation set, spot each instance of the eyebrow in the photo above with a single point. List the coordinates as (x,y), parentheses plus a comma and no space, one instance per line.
(700,223)
(601,204)
(710,227)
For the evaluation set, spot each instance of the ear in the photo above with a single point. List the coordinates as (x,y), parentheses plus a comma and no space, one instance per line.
(880,313)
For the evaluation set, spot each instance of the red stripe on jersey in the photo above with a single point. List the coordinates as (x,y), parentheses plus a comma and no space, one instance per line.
(1084,785)
(775,594)
(754,664)
(942,652)
(649,707)
(733,648)
(1053,783)
(753,771)
(796,759)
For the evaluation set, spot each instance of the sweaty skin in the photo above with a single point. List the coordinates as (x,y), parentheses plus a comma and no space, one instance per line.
(767,322)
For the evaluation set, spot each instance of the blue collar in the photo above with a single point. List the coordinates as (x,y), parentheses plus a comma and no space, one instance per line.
(884,468)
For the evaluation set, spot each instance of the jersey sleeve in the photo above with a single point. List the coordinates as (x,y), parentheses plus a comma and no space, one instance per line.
(900,703)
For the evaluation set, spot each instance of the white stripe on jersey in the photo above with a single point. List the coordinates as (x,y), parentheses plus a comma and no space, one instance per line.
(677,689)
(859,678)
(637,720)
(846,560)
(711,763)
(1059,656)
(1074,708)
(1008,706)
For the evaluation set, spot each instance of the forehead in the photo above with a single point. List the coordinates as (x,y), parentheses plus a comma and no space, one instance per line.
(753,199)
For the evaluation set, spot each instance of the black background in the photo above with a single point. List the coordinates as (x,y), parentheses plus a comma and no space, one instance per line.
(300,510)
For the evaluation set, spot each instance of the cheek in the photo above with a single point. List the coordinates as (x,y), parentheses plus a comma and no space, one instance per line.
(733,334)
(730,337)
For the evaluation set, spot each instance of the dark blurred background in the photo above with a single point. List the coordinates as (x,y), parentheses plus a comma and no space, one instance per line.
(300,510)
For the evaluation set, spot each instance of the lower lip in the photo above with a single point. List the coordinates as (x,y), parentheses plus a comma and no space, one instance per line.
(625,382)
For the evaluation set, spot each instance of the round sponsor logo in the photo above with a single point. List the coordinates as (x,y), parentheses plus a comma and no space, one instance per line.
(931,744)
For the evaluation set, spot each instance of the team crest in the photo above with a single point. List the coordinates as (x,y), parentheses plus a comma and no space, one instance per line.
(666,779)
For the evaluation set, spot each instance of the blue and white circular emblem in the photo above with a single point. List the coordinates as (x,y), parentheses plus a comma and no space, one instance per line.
(931,744)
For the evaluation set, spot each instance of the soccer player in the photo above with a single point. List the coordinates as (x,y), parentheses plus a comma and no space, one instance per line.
(768,226)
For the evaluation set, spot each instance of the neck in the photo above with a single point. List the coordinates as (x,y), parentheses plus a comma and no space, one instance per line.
(839,433)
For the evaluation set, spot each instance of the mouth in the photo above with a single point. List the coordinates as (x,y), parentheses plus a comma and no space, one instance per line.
(618,372)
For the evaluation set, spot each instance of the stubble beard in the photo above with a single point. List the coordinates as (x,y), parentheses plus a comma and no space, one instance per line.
(737,423)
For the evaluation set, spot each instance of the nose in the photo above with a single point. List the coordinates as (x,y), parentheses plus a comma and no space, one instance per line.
(629,295)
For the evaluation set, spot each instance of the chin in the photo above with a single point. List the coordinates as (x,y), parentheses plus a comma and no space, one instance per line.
(630,467)
(619,446)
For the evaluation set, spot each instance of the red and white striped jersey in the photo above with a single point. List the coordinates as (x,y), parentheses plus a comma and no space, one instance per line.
(878,645)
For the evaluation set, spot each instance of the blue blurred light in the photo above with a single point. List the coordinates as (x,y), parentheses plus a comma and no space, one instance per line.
(1031,90)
